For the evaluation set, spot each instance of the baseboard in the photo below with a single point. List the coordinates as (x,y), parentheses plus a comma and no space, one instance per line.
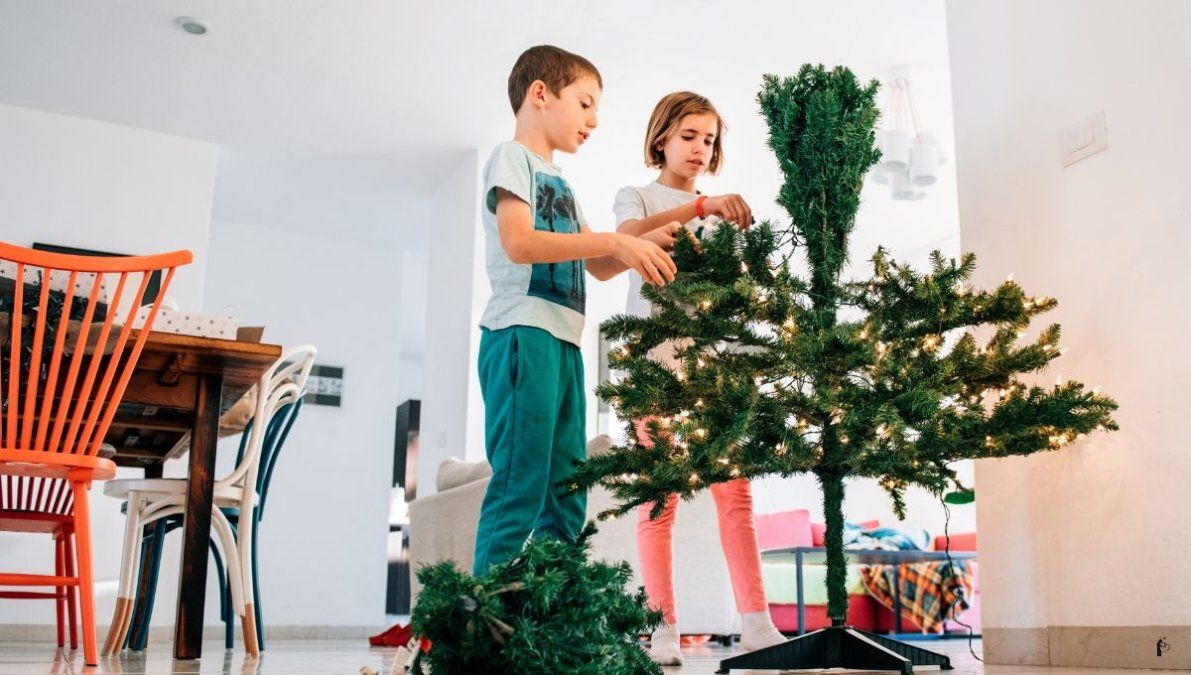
(1016,646)
(1090,646)
(17,632)
(1121,646)
(321,632)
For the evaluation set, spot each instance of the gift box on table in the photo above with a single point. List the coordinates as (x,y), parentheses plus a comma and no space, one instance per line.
(197,324)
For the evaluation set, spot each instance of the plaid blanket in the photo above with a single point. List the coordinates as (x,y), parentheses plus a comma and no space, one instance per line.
(930,591)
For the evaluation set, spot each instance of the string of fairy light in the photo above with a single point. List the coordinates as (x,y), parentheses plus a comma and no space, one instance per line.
(678,429)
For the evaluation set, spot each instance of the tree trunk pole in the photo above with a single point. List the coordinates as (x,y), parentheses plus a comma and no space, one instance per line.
(837,563)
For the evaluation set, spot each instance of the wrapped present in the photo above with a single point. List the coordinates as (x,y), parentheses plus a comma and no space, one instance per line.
(189,323)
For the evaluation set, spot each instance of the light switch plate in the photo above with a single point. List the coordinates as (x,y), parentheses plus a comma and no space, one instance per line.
(1084,139)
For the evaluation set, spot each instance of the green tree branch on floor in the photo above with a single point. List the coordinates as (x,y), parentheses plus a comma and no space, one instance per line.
(549,610)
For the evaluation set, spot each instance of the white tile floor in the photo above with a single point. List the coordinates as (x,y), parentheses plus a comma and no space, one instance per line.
(346,657)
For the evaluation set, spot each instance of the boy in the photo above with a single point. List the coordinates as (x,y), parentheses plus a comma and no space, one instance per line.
(538,247)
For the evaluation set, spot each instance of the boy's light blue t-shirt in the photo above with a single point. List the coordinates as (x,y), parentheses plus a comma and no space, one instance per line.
(550,296)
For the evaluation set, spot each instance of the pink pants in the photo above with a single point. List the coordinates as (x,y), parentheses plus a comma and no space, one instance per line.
(738,536)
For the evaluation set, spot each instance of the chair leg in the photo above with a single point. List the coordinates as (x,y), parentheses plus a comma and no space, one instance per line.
(119,615)
(256,589)
(237,578)
(249,625)
(60,591)
(82,528)
(140,597)
(137,599)
(224,605)
(71,591)
(225,601)
(225,598)
(229,621)
(244,536)
(142,637)
(131,581)
(128,560)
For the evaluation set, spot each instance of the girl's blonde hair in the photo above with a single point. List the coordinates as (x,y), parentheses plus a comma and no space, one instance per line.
(667,114)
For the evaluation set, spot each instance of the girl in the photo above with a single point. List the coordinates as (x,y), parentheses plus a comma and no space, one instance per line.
(684,141)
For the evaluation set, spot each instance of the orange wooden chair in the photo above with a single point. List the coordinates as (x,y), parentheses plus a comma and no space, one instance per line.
(66,357)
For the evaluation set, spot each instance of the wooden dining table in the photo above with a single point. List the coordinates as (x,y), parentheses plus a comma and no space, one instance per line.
(180,386)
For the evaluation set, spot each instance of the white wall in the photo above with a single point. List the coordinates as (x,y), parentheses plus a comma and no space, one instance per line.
(1099,534)
(415,280)
(365,198)
(323,538)
(88,184)
(452,318)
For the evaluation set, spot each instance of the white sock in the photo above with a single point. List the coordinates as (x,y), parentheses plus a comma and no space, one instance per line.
(757,631)
(664,646)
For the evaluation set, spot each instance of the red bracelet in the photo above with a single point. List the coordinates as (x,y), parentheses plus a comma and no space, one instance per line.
(699,206)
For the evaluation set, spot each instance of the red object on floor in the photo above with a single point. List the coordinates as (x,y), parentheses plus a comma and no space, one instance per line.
(862,614)
(395,636)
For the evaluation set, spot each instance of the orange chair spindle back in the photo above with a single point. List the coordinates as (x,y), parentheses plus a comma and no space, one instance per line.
(61,391)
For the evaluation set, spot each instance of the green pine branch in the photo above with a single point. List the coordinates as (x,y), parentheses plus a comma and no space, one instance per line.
(548,610)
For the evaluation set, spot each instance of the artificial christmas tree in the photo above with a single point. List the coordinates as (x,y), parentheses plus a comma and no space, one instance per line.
(893,378)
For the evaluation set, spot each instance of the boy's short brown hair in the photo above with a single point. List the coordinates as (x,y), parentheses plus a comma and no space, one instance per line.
(555,67)
(667,114)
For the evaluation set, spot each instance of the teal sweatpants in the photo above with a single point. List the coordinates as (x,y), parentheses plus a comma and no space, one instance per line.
(534,419)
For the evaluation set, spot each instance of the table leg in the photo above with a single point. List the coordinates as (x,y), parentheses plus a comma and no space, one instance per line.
(897,598)
(801,599)
(196,524)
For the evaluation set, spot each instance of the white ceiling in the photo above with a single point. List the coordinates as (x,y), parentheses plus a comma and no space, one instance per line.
(396,91)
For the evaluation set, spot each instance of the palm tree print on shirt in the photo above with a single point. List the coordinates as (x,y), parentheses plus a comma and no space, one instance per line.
(547,199)
(555,211)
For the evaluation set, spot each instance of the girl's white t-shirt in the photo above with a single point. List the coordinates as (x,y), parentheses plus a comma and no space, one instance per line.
(635,203)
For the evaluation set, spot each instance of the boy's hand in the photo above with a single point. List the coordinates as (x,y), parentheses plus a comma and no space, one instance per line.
(730,207)
(665,235)
(646,257)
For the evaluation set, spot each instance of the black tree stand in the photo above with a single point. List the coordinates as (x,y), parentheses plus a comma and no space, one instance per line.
(838,647)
